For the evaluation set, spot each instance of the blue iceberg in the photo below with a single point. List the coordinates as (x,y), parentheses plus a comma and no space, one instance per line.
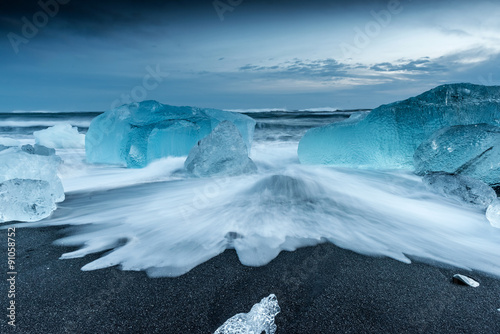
(472,150)
(133,135)
(389,135)
(222,152)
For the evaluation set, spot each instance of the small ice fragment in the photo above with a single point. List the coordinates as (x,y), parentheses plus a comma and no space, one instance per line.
(222,152)
(60,136)
(471,150)
(493,213)
(461,279)
(461,188)
(259,319)
(29,184)
(9,142)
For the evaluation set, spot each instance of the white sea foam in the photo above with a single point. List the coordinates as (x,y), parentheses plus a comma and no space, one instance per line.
(169,227)
(256,110)
(318,109)
(44,123)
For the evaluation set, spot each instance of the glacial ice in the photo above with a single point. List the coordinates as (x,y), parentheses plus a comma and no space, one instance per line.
(133,135)
(259,319)
(389,135)
(222,152)
(9,142)
(25,200)
(462,188)
(472,150)
(493,213)
(29,185)
(60,136)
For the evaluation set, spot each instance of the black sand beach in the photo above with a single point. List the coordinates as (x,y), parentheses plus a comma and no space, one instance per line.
(322,289)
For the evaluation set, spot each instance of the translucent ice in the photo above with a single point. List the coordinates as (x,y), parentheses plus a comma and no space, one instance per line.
(9,142)
(462,188)
(389,135)
(25,200)
(136,134)
(60,136)
(493,213)
(29,185)
(222,152)
(472,150)
(260,319)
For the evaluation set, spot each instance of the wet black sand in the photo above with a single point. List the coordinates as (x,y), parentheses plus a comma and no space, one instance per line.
(322,289)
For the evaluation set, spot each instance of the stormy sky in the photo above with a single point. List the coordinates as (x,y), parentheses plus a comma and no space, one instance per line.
(234,54)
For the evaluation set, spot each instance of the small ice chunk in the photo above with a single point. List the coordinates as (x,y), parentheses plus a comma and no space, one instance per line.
(461,188)
(26,200)
(472,150)
(29,185)
(38,150)
(462,279)
(493,213)
(9,142)
(222,152)
(259,319)
(60,136)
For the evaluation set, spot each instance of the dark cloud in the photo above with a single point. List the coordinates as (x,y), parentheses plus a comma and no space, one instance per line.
(97,16)
(419,65)
(302,68)
(455,66)
(94,17)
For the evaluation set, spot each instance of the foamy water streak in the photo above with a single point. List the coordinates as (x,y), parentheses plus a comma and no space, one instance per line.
(157,219)
(167,228)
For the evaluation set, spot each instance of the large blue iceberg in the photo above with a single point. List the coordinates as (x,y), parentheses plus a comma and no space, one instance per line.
(389,135)
(133,135)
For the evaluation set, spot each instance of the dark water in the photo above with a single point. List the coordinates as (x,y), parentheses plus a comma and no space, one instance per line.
(272,125)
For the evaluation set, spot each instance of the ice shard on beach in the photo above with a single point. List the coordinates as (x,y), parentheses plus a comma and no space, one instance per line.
(133,135)
(29,185)
(260,319)
(222,152)
(389,135)
(472,150)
